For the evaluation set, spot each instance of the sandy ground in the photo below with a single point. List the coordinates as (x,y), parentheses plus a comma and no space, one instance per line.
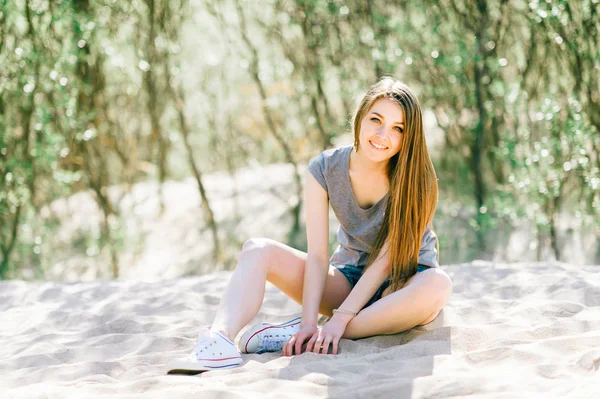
(522,330)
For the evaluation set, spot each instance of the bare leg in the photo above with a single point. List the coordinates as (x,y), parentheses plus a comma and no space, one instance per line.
(264,259)
(245,291)
(417,303)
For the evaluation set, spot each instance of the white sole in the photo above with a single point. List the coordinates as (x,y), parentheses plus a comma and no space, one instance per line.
(184,365)
(249,334)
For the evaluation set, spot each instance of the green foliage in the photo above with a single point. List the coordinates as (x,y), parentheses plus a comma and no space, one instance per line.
(552,161)
(92,94)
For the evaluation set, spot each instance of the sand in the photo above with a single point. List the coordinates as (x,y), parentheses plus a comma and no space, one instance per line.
(520,330)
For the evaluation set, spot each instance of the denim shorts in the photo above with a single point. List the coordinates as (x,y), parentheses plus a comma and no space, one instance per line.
(353,274)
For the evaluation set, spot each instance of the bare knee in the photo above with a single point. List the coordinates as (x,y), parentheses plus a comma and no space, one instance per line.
(259,249)
(258,244)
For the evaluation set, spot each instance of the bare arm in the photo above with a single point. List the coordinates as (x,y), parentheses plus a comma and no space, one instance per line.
(368,284)
(317,261)
(380,270)
(333,330)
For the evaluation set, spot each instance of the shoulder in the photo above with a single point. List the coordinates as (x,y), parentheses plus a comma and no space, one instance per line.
(328,167)
(429,236)
(332,155)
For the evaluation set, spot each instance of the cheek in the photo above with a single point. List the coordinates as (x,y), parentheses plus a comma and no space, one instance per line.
(364,128)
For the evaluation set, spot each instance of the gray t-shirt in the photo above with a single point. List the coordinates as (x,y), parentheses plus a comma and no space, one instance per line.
(358,226)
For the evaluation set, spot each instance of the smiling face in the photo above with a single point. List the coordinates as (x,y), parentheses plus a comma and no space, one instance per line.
(381,130)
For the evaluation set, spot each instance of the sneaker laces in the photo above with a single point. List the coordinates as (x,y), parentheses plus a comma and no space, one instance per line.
(203,343)
(273,342)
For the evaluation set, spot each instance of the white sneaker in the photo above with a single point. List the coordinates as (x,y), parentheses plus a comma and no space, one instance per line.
(266,337)
(213,351)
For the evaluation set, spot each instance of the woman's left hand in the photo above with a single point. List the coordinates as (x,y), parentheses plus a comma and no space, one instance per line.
(328,334)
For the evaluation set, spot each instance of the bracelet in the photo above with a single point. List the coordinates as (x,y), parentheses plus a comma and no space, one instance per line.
(344,311)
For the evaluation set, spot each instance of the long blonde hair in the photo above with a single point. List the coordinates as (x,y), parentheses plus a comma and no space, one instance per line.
(413,183)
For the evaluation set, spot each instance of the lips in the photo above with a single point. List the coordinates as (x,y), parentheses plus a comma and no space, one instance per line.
(381,145)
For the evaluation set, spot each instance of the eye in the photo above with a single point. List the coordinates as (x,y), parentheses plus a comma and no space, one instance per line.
(374,119)
(398,128)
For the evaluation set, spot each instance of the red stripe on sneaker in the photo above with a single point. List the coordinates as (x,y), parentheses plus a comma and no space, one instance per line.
(266,328)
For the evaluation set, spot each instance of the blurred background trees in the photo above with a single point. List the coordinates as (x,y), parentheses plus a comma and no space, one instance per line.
(109,94)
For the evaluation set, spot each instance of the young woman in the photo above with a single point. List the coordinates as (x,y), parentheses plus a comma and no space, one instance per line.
(384,277)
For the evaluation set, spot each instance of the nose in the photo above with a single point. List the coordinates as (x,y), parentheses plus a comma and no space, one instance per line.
(381,132)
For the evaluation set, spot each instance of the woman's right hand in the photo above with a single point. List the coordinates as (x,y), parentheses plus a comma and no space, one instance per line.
(304,334)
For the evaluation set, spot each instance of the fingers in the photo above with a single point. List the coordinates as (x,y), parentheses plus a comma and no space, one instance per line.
(322,345)
(335,346)
(286,349)
(316,344)
(298,344)
(311,342)
(325,347)
(318,341)
(294,344)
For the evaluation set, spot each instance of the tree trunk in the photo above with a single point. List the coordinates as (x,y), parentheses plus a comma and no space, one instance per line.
(478,145)
(92,76)
(554,210)
(153,109)
(7,249)
(210,219)
(295,230)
